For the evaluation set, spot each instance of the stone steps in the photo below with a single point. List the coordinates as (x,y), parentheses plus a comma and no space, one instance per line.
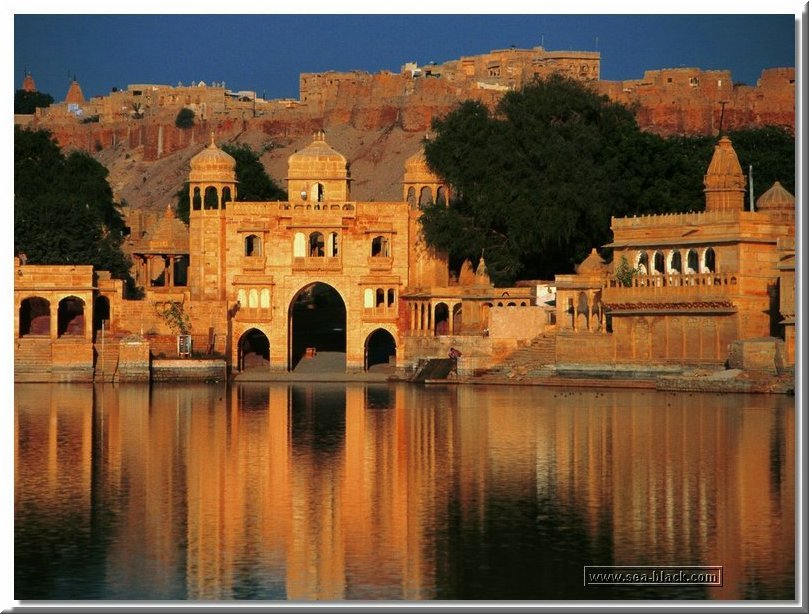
(537,359)
(106,366)
(32,359)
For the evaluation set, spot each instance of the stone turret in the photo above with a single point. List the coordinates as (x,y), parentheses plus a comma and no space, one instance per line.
(74,94)
(318,173)
(724,181)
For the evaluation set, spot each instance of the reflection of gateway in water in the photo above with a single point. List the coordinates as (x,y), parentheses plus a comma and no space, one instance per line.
(317,330)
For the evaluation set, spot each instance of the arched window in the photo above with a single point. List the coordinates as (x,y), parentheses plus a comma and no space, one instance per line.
(411,197)
(379,247)
(226,196)
(316,245)
(264,303)
(380,297)
(211,198)
(642,263)
(299,245)
(241,297)
(426,196)
(676,262)
(368,298)
(391,297)
(441,319)
(658,263)
(318,193)
(709,261)
(196,200)
(692,262)
(332,245)
(441,196)
(252,298)
(252,246)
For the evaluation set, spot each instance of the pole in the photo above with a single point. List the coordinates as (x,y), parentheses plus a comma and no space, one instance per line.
(752,206)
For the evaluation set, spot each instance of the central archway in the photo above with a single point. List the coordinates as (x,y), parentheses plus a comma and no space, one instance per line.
(317,330)
(380,346)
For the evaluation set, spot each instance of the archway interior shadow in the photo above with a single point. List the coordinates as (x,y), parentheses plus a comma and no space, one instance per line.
(318,322)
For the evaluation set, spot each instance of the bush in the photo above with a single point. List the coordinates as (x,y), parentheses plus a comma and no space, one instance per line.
(185,118)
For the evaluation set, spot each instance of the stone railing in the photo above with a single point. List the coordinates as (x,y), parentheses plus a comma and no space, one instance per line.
(677,280)
(701,285)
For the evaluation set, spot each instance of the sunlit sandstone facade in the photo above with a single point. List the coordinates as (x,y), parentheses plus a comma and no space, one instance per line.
(700,281)
(240,270)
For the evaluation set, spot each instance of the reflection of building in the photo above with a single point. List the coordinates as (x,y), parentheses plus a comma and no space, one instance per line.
(347,492)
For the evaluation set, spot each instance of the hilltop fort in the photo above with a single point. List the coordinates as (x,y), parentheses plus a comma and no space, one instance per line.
(377,119)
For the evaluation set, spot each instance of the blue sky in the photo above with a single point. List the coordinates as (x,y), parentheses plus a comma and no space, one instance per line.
(266,53)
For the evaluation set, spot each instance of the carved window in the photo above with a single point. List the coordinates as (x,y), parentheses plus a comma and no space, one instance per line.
(252,246)
(380,247)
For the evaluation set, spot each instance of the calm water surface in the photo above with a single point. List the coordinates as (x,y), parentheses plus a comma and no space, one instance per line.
(332,492)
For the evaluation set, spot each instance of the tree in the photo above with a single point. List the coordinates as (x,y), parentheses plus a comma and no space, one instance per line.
(185,118)
(255,185)
(537,180)
(64,212)
(26,103)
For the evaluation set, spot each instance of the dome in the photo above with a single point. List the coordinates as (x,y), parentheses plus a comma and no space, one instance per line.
(318,151)
(417,170)
(213,164)
(592,265)
(169,235)
(776,198)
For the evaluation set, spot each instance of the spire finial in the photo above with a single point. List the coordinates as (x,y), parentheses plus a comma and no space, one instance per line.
(213,142)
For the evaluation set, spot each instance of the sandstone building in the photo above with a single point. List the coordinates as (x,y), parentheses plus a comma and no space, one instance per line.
(273,285)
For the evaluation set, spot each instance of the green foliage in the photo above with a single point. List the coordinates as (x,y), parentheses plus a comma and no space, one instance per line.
(185,118)
(624,273)
(26,103)
(255,185)
(64,212)
(771,151)
(172,313)
(537,180)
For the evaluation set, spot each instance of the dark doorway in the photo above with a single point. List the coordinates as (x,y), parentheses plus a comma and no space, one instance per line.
(101,312)
(317,329)
(254,350)
(71,317)
(379,347)
(35,317)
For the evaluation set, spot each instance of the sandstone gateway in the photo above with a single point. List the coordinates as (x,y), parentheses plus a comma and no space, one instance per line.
(271,286)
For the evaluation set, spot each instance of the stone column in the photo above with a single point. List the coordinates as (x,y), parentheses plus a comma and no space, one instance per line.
(450,320)
(54,307)
(589,311)
(88,318)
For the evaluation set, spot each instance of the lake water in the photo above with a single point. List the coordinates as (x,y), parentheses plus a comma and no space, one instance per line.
(396,492)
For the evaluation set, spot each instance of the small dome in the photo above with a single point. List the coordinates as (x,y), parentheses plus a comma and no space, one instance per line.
(592,265)
(318,150)
(776,198)
(417,170)
(168,235)
(213,164)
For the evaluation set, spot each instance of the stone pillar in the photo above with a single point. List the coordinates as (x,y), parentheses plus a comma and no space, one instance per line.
(589,311)
(170,272)
(54,320)
(88,319)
